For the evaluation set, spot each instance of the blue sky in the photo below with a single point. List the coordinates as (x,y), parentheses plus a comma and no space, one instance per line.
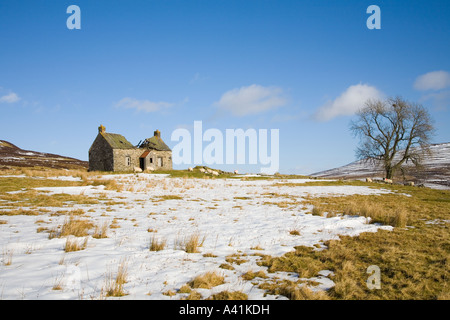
(137,66)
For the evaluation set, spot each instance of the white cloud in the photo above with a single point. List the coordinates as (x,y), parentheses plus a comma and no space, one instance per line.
(9,98)
(142,105)
(435,80)
(251,100)
(348,103)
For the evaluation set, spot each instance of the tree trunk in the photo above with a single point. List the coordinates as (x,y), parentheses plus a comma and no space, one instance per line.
(389,172)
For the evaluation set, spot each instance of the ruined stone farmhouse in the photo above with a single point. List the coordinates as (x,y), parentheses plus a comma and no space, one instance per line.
(112,152)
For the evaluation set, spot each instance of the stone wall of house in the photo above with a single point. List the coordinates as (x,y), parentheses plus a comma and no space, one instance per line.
(126,159)
(159,160)
(100,155)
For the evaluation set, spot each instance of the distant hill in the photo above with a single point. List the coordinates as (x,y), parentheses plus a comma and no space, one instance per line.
(436,171)
(13,156)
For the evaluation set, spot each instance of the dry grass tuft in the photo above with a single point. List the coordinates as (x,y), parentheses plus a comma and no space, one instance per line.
(209,255)
(193,295)
(236,259)
(207,281)
(19,212)
(169,293)
(185,289)
(157,245)
(110,184)
(191,243)
(167,197)
(72,226)
(317,211)
(250,275)
(396,217)
(294,292)
(229,295)
(75,245)
(226,266)
(114,285)
(7,257)
(58,283)
(100,231)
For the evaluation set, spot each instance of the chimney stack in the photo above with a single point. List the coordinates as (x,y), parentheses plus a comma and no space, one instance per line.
(157,133)
(101,129)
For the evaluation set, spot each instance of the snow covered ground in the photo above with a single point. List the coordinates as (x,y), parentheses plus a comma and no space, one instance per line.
(232,216)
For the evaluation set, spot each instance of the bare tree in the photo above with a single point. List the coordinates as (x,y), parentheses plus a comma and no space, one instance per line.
(392,132)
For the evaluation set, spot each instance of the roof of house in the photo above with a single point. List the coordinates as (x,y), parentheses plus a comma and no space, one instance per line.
(145,154)
(117,141)
(155,143)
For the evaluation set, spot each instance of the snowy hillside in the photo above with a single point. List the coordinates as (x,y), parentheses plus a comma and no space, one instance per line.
(13,156)
(436,171)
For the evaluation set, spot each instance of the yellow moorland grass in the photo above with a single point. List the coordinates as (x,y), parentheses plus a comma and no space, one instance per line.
(250,275)
(75,212)
(190,243)
(101,231)
(72,226)
(8,184)
(229,295)
(114,285)
(317,211)
(169,293)
(385,209)
(75,244)
(167,197)
(207,281)
(110,184)
(34,198)
(396,216)
(236,259)
(292,290)
(24,194)
(20,212)
(86,177)
(50,172)
(282,204)
(193,295)
(185,289)
(413,258)
(157,244)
